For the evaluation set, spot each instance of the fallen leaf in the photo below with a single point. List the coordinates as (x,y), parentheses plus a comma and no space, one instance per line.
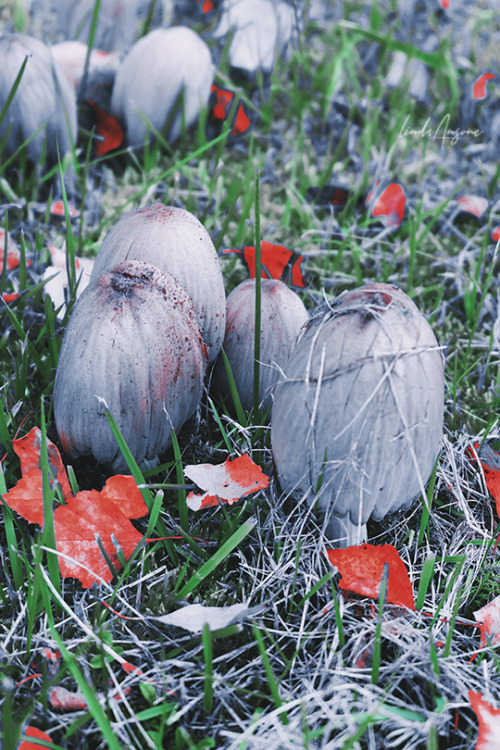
(108,130)
(65,700)
(194,616)
(390,203)
(86,516)
(488,619)
(361,568)
(13,254)
(489,722)
(226,482)
(221,106)
(275,259)
(242,123)
(479,87)
(472,204)
(9,297)
(490,463)
(36,734)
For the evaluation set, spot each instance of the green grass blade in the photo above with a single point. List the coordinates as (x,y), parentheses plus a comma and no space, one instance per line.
(217,559)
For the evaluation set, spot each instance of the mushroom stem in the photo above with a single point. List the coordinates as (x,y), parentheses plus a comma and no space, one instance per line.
(341,531)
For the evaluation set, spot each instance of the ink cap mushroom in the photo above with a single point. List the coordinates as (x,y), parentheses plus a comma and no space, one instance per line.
(177,242)
(357,417)
(132,347)
(44,106)
(163,82)
(282,315)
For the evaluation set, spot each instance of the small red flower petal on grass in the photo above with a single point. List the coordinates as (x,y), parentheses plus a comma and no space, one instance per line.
(473,204)
(274,260)
(479,87)
(489,722)
(391,204)
(361,570)
(36,734)
(86,516)
(495,234)
(226,482)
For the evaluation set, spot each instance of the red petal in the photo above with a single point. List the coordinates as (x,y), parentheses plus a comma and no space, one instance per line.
(241,121)
(37,734)
(495,235)
(391,204)
(361,571)
(108,127)
(57,209)
(479,88)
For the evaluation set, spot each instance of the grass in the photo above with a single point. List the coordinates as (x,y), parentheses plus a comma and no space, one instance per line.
(317,668)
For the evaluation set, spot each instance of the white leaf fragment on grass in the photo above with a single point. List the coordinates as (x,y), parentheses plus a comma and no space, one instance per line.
(194,616)
(489,619)
(226,482)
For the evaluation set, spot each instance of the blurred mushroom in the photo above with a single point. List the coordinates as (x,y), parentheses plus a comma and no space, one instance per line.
(167,68)
(44,105)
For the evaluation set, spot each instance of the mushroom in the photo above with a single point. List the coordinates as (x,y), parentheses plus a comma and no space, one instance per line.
(357,417)
(282,316)
(167,74)
(175,241)
(132,347)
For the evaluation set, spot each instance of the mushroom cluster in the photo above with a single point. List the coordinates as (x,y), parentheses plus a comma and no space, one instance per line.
(140,337)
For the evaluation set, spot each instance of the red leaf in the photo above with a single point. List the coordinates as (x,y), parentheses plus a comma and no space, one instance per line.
(495,234)
(489,722)
(391,204)
(37,734)
(85,516)
(242,122)
(490,463)
(109,130)
(9,297)
(488,618)
(274,260)
(473,204)
(223,99)
(479,88)
(225,482)
(361,571)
